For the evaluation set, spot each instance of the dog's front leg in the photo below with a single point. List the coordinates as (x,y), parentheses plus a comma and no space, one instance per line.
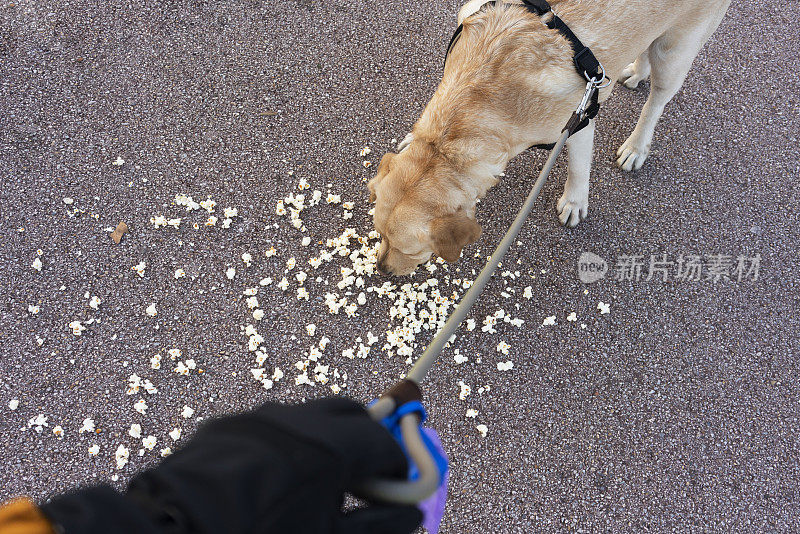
(574,203)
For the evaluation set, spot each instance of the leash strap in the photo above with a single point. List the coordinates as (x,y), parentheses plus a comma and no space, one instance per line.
(398,408)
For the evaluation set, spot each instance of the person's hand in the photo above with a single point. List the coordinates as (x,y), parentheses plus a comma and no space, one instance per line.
(279,469)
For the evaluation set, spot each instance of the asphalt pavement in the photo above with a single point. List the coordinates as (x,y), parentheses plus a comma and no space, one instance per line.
(678,410)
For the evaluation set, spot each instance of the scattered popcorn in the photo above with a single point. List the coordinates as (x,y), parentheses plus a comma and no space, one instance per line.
(333,199)
(483,429)
(472,414)
(94,450)
(121,455)
(13,404)
(367,164)
(149,442)
(549,321)
(37,264)
(306,241)
(258,374)
(258,314)
(175,434)
(252,302)
(208,205)
(117,162)
(58,432)
(230,213)
(175,223)
(188,202)
(230,273)
(179,273)
(505,366)
(311,329)
(603,307)
(265,281)
(187,412)
(151,310)
(134,383)
(155,362)
(94,302)
(33,310)
(77,327)
(174,354)
(211,221)
(465,391)
(503,347)
(140,406)
(139,268)
(135,431)
(88,426)
(364,152)
(271,252)
(68,201)
(38,422)
(247,259)
(528,292)
(166,451)
(572,317)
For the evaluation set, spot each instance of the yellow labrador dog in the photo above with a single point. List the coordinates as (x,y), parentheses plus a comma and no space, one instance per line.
(510,83)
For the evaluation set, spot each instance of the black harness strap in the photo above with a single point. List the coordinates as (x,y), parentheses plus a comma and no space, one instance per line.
(585,62)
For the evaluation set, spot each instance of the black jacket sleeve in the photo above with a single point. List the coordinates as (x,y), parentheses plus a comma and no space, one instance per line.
(279,469)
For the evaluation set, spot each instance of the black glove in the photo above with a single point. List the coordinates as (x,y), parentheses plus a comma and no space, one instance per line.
(280,469)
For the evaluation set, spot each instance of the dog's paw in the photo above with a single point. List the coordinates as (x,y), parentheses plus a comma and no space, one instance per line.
(572,211)
(631,156)
(405,142)
(630,78)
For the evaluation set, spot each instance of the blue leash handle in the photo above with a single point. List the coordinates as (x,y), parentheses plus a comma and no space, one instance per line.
(392,423)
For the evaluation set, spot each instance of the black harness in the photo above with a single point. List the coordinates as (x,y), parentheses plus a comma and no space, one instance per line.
(586,63)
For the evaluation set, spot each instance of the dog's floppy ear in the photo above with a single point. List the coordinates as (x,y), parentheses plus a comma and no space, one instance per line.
(452,233)
(383,169)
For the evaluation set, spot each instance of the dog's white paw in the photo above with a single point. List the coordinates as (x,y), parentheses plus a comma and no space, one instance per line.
(571,211)
(631,155)
(630,78)
(405,142)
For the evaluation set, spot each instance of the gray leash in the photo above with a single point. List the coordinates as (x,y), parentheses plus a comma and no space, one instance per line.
(405,492)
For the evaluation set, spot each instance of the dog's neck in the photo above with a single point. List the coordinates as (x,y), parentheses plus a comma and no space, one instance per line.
(473,174)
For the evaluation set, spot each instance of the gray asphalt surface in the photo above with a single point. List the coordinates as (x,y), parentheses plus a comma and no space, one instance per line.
(677,411)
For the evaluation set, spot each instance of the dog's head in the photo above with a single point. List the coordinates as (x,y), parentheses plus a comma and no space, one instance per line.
(417,212)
